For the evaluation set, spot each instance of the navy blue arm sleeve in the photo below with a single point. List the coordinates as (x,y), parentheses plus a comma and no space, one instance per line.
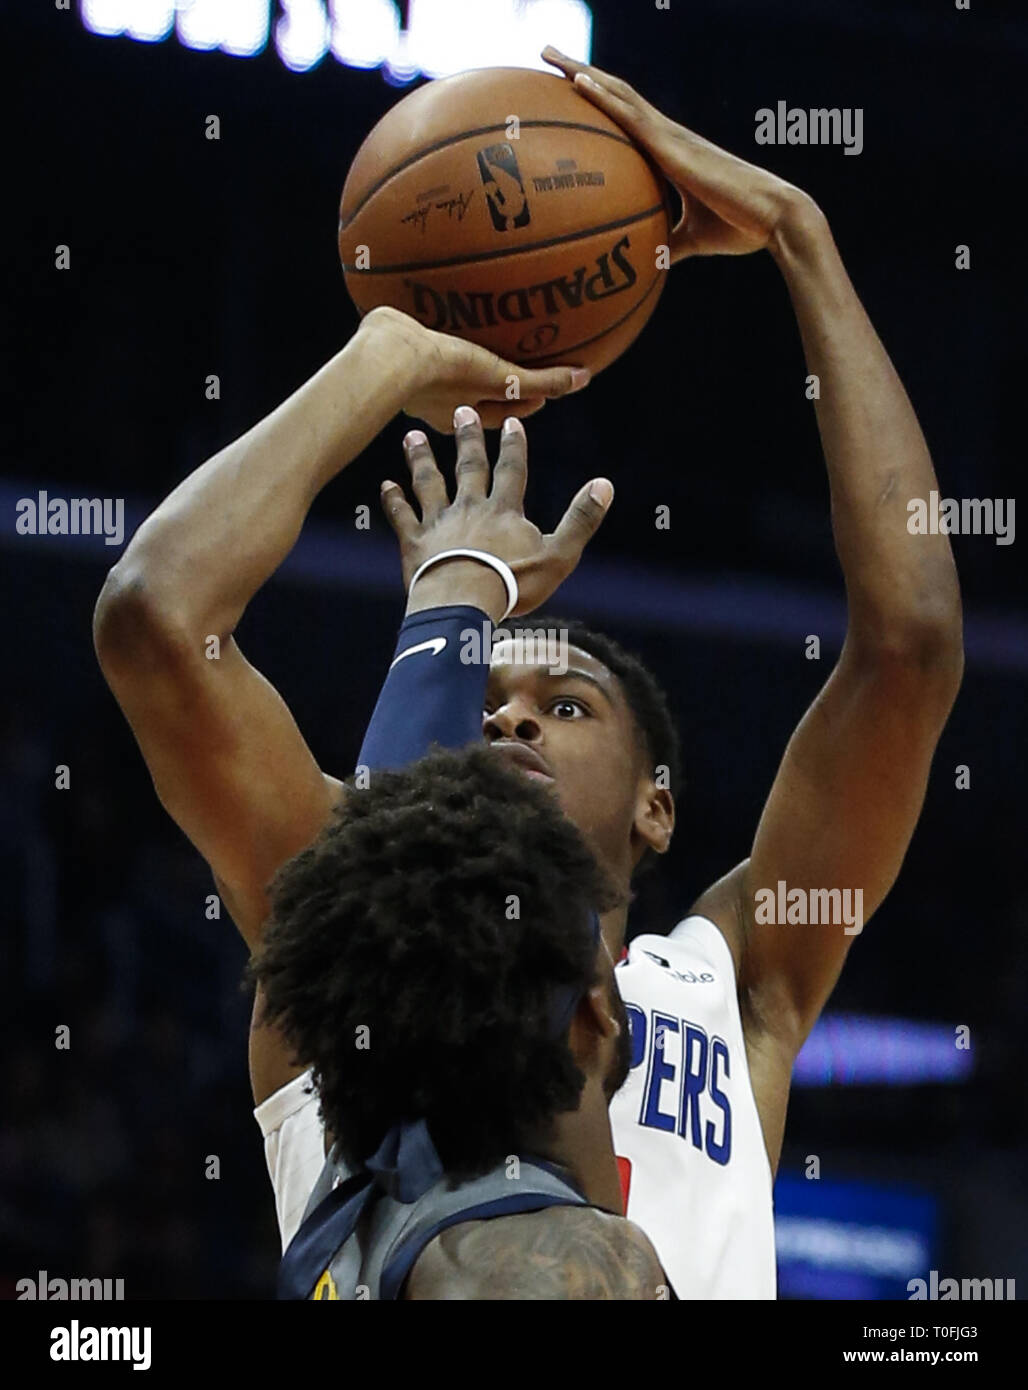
(435,687)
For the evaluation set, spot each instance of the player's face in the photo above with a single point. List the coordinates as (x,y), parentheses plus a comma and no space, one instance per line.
(572,730)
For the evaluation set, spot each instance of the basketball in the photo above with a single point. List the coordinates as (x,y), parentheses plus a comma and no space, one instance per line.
(502,206)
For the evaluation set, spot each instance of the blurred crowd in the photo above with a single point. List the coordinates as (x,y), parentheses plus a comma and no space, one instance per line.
(106,1143)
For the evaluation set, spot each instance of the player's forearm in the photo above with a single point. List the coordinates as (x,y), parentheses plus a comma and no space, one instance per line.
(207,549)
(900,586)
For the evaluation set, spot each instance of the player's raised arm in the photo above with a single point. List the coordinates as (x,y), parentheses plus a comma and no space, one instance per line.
(850,788)
(849,791)
(226,757)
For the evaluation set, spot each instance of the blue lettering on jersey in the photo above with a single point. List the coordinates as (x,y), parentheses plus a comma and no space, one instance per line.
(695,1049)
(720,1151)
(703,1107)
(660,1070)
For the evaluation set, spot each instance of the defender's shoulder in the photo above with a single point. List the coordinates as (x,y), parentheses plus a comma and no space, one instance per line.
(566,1252)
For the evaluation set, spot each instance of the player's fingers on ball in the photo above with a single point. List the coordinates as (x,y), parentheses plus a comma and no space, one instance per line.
(399,512)
(568,66)
(605,79)
(561,60)
(628,112)
(609,93)
(426,479)
(582,519)
(511,472)
(553,381)
(472,459)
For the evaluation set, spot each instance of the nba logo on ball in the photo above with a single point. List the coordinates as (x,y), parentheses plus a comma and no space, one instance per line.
(504,188)
(546,248)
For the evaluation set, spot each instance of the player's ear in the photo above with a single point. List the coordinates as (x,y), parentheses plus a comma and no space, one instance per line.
(654,822)
(595,1006)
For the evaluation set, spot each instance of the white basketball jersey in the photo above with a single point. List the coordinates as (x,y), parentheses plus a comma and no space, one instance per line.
(685,1124)
(688,1139)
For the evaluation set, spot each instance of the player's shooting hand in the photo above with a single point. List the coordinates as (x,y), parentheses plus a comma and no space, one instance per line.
(451,371)
(487,518)
(729,207)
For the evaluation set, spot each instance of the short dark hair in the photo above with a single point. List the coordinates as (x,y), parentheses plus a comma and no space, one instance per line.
(398,919)
(643,693)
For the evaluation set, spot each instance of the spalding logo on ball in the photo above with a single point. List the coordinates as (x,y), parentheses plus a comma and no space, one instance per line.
(504,207)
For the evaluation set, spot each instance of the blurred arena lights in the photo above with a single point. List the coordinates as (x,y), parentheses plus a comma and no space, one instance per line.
(441,37)
(852,1239)
(853,1050)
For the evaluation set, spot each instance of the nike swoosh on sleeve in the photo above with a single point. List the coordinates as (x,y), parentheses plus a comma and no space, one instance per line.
(434,645)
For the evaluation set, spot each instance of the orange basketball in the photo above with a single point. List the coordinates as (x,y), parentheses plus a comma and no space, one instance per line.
(502,206)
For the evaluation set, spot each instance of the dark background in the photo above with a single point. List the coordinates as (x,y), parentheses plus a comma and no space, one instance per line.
(191,257)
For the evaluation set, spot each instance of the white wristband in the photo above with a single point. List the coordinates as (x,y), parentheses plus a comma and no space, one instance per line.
(493,561)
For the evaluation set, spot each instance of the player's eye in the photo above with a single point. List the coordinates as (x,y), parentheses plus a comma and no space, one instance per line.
(567,708)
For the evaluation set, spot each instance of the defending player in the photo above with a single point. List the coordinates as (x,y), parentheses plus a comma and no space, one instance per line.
(465,1055)
(720,1007)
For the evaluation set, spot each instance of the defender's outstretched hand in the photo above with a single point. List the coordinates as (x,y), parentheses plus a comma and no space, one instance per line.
(730,207)
(451,370)
(482,519)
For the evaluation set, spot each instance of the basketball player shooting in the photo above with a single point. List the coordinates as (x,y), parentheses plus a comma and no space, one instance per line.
(721,1005)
